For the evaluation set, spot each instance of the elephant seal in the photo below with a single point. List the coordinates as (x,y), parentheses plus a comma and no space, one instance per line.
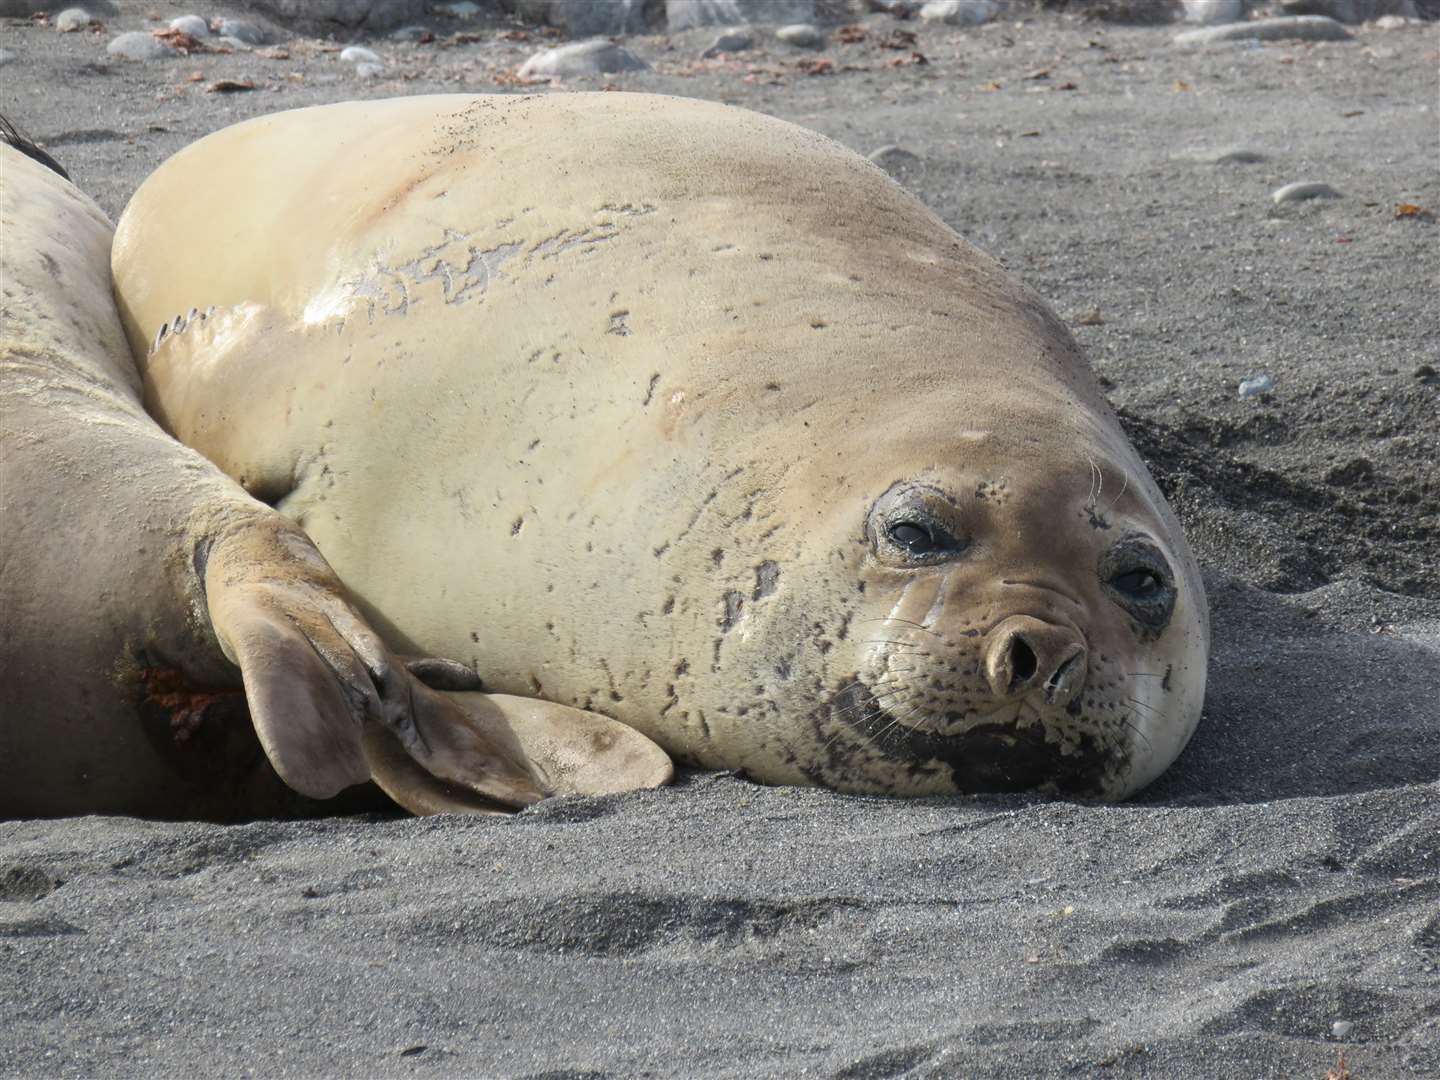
(683,414)
(141,588)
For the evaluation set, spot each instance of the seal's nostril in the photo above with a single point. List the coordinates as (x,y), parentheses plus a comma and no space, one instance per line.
(1022,662)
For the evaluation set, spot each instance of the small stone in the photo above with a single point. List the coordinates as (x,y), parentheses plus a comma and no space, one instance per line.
(895,159)
(1305,189)
(243,31)
(72,19)
(460,9)
(1221,155)
(801,36)
(1391,22)
(1350,11)
(1256,385)
(585,18)
(358,54)
(1214,12)
(960,12)
(1239,155)
(1341,1029)
(731,41)
(138,45)
(1424,371)
(596,57)
(369,71)
(193,25)
(689,14)
(1284,28)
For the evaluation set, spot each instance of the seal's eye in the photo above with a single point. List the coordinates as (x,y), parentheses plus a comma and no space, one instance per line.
(915,539)
(914,536)
(1141,584)
(914,525)
(1138,577)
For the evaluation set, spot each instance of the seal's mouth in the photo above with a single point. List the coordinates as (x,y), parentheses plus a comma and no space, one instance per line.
(1010,750)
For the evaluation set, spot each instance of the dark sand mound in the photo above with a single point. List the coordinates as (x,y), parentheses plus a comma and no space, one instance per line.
(1270,901)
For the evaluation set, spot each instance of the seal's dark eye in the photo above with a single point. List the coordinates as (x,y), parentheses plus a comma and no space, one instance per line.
(915,525)
(1138,578)
(916,539)
(1141,584)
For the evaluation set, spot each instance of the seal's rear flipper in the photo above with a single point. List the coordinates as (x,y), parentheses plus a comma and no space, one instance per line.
(575,752)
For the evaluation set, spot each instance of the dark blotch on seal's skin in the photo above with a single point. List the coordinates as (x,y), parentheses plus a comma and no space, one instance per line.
(990,758)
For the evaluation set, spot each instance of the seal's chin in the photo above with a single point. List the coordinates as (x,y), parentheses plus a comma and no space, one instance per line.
(1014,748)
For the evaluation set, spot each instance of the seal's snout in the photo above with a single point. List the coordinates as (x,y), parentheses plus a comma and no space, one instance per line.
(1024,656)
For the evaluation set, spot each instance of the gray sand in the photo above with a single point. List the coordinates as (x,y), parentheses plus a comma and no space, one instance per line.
(1282,879)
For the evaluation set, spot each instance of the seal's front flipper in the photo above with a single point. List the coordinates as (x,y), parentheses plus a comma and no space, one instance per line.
(317,677)
(575,752)
(440,674)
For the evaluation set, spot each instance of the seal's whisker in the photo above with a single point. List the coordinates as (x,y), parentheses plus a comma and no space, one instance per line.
(871,699)
(906,622)
(1123,488)
(1148,708)
(860,709)
(895,721)
(866,738)
(1126,721)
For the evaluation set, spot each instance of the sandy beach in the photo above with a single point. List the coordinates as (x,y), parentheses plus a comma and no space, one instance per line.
(1271,903)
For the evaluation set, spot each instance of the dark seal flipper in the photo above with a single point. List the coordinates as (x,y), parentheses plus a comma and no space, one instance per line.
(10,135)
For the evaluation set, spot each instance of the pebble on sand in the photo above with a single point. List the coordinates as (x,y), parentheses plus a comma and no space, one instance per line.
(358,54)
(193,25)
(72,19)
(895,159)
(246,33)
(1341,1029)
(960,12)
(801,36)
(595,57)
(689,14)
(1256,385)
(1304,189)
(1221,155)
(1241,155)
(369,71)
(1283,28)
(138,45)
(1214,12)
(730,41)
(1350,11)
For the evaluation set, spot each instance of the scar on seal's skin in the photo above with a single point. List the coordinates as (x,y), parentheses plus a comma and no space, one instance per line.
(185,705)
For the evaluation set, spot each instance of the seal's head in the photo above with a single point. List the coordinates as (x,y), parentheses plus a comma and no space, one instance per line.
(1014,610)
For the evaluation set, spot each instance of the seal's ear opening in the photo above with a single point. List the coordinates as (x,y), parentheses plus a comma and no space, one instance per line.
(10,135)
(573,752)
